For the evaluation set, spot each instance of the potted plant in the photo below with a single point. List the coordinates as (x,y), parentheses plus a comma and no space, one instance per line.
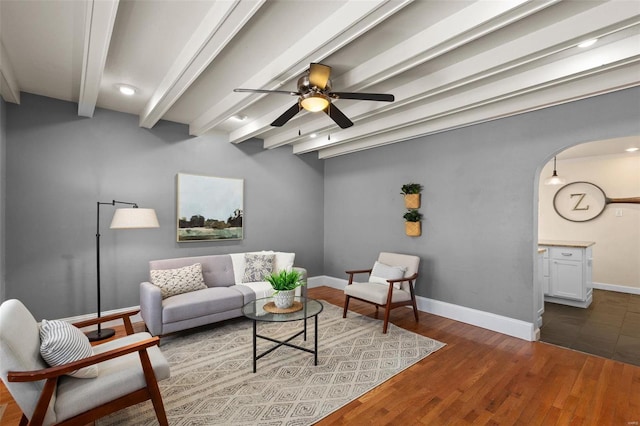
(411,192)
(284,283)
(412,223)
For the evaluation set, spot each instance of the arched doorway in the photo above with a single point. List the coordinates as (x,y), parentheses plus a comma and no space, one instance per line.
(608,325)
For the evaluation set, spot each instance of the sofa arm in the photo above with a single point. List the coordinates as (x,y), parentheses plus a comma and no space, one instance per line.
(151,307)
(303,278)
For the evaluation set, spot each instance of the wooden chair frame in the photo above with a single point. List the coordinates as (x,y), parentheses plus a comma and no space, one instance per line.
(390,304)
(51,375)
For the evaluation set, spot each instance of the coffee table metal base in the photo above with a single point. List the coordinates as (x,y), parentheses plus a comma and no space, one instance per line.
(314,351)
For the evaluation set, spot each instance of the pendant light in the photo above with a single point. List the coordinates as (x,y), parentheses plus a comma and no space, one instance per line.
(554,179)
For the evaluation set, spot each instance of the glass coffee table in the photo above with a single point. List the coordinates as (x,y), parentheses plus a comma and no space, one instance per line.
(255,311)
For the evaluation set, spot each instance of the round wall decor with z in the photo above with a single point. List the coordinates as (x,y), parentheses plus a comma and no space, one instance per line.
(584,201)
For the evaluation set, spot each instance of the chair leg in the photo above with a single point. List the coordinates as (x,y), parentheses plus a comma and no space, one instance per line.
(376,316)
(386,320)
(346,306)
(24,421)
(154,389)
(415,310)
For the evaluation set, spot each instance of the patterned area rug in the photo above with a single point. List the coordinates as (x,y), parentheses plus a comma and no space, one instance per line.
(212,381)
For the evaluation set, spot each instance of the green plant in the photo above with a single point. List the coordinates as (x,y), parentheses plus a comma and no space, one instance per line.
(284,280)
(411,188)
(412,215)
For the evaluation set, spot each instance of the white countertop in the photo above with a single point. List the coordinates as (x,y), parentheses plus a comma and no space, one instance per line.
(563,243)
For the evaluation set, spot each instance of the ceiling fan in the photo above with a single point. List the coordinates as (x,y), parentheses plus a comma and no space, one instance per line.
(315,94)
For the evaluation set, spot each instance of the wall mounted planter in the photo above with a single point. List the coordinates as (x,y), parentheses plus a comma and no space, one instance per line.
(412,201)
(413,229)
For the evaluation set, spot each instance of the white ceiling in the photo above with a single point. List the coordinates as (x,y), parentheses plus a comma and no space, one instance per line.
(448,63)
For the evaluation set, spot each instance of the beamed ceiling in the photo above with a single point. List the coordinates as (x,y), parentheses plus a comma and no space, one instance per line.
(448,63)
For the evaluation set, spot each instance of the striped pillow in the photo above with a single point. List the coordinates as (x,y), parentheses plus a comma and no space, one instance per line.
(62,343)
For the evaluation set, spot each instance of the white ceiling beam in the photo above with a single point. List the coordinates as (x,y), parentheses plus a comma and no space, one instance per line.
(9,85)
(469,24)
(613,55)
(514,54)
(223,21)
(99,19)
(597,84)
(340,28)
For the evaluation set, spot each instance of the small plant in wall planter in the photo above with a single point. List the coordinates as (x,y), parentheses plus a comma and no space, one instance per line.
(411,193)
(412,225)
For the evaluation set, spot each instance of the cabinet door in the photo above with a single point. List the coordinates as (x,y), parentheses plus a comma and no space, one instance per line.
(566,279)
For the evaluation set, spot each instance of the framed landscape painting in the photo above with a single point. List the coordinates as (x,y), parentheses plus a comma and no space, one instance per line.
(209,208)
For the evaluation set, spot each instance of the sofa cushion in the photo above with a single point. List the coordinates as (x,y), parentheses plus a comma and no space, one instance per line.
(257,266)
(62,343)
(284,261)
(200,303)
(177,281)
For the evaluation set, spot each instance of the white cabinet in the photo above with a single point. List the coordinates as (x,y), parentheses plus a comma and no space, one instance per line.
(569,275)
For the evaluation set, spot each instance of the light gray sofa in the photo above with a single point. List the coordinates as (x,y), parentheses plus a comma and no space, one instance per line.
(222,299)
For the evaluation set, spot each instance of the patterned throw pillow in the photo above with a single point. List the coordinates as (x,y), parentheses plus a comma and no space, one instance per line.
(62,343)
(257,266)
(381,273)
(178,281)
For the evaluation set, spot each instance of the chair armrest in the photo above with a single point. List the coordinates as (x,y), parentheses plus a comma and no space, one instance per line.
(53,372)
(399,280)
(125,316)
(151,307)
(357,271)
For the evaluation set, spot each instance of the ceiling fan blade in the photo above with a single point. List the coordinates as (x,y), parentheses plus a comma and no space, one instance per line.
(319,75)
(286,116)
(338,116)
(282,92)
(384,97)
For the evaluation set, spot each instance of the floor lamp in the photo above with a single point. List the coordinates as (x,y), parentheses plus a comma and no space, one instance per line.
(124,218)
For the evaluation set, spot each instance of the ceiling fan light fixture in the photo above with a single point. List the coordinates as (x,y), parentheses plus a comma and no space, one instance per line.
(315,102)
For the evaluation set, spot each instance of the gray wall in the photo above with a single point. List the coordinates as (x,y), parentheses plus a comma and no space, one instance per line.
(3,162)
(59,165)
(479,201)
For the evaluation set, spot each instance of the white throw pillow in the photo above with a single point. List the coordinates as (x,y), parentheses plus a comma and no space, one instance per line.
(284,261)
(178,281)
(257,266)
(62,343)
(381,273)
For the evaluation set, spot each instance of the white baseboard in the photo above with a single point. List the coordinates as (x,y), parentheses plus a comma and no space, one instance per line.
(326,281)
(134,318)
(616,287)
(498,323)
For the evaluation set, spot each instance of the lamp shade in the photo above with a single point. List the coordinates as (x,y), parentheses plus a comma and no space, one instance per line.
(134,218)
(315,102)
(554,180)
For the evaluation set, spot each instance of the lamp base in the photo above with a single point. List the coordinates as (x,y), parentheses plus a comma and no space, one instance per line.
(102,334)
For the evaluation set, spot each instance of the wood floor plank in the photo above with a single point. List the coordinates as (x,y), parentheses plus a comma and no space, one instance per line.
(482,378)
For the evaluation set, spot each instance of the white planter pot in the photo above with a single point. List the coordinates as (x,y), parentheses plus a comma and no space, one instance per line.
(284,299)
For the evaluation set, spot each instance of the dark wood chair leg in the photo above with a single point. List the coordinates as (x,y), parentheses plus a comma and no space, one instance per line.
(153,388)
(346,306)
(376,316)
(415,310)
(24,421)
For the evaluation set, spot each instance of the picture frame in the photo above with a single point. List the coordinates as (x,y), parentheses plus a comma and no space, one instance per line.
(209,208)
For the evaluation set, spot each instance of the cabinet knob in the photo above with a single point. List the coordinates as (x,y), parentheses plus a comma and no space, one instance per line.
(567,254)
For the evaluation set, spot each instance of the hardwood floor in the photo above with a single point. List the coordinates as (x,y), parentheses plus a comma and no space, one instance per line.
(485,378)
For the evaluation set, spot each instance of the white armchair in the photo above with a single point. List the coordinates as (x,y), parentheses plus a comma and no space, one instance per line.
(390,284)
(128,370)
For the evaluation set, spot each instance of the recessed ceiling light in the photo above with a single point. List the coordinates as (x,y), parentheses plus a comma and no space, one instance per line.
(633,149)
(588,43)
(238,117)
(313,135)
(126,89)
